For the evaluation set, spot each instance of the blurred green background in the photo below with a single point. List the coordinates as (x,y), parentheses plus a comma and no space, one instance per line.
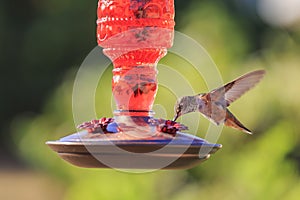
(43,43)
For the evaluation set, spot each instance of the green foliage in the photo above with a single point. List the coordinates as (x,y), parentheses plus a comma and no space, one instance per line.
(248,167)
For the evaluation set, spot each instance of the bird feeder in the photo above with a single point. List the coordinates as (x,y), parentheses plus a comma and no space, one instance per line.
(135,35)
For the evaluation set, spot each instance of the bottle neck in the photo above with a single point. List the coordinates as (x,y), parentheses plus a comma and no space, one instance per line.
(134,82)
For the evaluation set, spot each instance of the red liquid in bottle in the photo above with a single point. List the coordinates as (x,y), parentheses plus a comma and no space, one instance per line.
(135,34)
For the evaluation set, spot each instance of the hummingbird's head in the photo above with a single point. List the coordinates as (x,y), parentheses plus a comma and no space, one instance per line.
(185,105)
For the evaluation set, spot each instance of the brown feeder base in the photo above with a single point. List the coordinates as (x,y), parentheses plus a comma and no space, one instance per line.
(182,152)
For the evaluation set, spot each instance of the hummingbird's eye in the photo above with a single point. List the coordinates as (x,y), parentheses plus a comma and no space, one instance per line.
(179,107)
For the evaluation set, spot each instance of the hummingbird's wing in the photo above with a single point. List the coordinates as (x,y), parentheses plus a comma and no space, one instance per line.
(236,88)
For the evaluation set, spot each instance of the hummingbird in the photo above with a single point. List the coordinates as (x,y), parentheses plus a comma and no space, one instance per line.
(213,105)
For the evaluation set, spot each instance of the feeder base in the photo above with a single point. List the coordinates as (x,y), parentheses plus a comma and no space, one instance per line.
(182,152)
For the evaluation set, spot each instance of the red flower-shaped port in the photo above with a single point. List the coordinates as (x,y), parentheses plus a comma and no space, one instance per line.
(97,125)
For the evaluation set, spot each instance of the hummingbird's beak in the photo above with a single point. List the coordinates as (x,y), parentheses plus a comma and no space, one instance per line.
(175,117)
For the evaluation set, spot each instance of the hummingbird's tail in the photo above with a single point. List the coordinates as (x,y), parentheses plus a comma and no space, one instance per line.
(233,122)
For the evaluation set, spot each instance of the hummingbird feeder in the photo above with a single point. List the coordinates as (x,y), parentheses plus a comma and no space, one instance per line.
(135,35)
